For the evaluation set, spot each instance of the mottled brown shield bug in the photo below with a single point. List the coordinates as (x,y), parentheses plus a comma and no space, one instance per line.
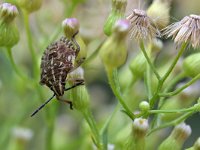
(57,62)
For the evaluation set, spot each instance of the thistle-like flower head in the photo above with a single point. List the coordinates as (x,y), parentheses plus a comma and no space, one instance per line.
(142,27)
(186,30)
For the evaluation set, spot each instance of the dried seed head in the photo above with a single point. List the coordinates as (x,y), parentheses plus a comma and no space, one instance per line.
(186,30)
(142,26)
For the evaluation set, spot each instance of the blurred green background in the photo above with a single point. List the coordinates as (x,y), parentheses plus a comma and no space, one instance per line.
(18,99)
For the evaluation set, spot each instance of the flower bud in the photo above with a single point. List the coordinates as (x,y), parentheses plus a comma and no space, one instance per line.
(138,66)
(177,138)
(78,95)
(144,106)
(70,27)
(191,65)
(30,5)
(8,12)
(20,138)
(82,53)
(196,145)
(159,11)
(8,30)
(114,51)
(140,127)
(118,11)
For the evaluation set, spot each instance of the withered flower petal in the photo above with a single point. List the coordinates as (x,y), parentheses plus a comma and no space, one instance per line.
(142,27)
(186,30)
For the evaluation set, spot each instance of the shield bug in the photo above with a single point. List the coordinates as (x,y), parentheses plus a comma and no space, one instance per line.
(58,61)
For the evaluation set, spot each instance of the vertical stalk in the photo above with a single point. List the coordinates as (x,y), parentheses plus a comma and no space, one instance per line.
(149,60)
(114,83)
(30,44)
(162,80)
(14,66)
(92,124)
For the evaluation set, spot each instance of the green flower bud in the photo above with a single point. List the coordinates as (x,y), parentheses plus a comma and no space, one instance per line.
(70,27)
(196,145)
(8,12)
(78,95)
(138,66)
(30,5)
(118,11)
(191,65)
(9,35)
(144,106)
(177,138)
(140,127)
(159,11)
(82,53)
(114,51)
(20,138)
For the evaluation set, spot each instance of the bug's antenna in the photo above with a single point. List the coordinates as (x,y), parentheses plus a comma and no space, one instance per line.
(43,105)
(77,84)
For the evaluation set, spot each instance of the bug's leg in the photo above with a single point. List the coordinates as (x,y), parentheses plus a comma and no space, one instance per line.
(65,101)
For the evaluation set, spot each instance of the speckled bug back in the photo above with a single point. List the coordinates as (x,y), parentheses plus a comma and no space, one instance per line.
(57,61)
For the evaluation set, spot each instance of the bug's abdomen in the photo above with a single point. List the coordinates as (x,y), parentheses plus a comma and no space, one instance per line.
(57,62)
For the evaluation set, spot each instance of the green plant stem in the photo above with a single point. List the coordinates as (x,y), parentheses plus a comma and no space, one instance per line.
(183,46)
(161,81)
(171,111)
(197,77)
(14,66)
(172,123)
(94,54)
(92,124)
(30,44)
(50,117)
(171,84)
(142,47)
(114,83)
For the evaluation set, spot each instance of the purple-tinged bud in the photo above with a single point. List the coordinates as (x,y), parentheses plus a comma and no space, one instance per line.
(9,34)
(118,11)
(8,12)
(70,27)
(114,50)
